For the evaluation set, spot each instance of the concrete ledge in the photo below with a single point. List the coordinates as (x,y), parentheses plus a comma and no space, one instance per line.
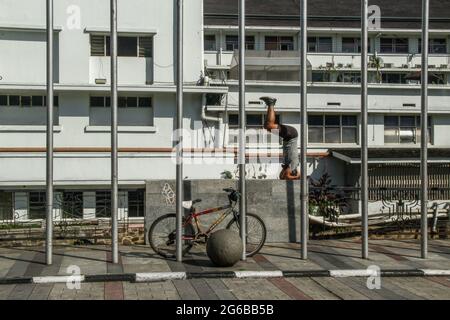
(167,276)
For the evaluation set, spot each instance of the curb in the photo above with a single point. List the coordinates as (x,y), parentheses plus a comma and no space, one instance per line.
(167,276)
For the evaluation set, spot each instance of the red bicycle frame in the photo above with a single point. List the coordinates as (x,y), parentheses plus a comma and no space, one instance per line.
(194,216)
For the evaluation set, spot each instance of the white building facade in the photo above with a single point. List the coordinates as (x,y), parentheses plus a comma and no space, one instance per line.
(147,95)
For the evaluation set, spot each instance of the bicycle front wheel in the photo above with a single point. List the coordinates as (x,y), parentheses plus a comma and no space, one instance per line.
(256,233)
(162,236)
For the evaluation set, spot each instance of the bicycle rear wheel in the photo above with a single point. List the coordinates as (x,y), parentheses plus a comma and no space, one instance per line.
(162,236)
(256,233)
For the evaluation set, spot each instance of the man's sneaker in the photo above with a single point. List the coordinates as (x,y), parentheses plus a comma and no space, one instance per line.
(269,101)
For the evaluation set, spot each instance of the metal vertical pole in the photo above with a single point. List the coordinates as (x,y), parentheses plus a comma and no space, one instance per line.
(242,124)
(179,127)
(304,216)
(424,131)
(114,136)
(49,178)
(364,132)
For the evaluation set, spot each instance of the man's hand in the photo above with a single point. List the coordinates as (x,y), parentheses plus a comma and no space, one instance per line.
(286,174)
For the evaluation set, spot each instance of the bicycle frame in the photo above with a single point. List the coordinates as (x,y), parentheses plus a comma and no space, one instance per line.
(195,215)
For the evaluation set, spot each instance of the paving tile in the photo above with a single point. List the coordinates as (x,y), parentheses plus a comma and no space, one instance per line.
(313,289)
(340,289)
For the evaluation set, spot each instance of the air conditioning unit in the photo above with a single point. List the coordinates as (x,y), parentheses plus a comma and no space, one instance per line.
(418,66)
(340,65)
(444,66)
(432,66)
(405,66)
(330,65)
(349,65)
(388,65)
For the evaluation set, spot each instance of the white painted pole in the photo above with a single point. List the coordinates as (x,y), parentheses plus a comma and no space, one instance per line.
(304,216)
(424,131)
(49,165)
(364,132)
(242,125)
(114,137)
(179,127)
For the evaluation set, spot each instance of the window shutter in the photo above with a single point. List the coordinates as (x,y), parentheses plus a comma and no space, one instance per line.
(97,45)
(146,47)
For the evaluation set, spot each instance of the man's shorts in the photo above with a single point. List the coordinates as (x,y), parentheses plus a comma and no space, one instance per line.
(290,154)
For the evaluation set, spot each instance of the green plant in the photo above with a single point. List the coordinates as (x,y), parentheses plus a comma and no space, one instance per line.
(322,201)
(13,226)
(376,62)
(227,175)
(330,70)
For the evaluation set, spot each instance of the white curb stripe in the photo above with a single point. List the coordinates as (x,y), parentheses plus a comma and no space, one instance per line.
(259,274)
(431,272)
(353,273)
(160,276)
(58,279)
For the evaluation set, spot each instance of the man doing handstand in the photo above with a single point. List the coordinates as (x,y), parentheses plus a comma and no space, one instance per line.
(290,142)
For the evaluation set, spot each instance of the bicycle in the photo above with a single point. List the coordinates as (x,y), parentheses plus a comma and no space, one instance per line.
(162,233)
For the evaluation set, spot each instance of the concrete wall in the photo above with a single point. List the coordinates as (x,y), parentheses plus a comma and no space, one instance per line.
(276,202)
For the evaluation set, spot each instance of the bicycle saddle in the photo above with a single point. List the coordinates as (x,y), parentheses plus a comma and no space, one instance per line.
(190,203)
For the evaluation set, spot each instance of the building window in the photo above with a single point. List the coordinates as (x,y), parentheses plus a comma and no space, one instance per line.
(393,78)
(349,77)
(352,45)
(72,205)
(3,100)
(332,129)
(103,204)
(320,44)
(26,101)
(404,130)
(123,102)
(436,78)
(145,47)
(394,45)
(232,43)
(37,205)
(210,42)
(255,126)
(136,203)
(283,43)
(126,46)
(435,46)
(320,76)
(133,111)
(6,206)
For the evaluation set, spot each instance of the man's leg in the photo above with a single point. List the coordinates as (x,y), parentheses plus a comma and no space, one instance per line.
(270,117)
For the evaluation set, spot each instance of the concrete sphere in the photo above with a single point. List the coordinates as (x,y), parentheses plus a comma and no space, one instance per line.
(224,248)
